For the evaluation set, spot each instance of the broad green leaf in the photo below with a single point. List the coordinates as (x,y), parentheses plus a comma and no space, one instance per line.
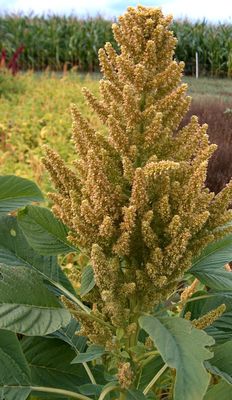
(68,335)
(50,363)
(44,233)
(182,347)
(17,192)
(26,305)
(14,370)
(87,280)
(14,251)
(224,322)
(221,391)
(202,306)
(195,307)
(221,363)
(90,389)
(221,329)
(209,268)
(93,352)
(218,298)
(219,336)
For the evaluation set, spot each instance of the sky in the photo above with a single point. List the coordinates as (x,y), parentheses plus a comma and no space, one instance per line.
(212,10)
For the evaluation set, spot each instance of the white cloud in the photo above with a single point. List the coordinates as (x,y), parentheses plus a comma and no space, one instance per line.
(196,9)
(78,7)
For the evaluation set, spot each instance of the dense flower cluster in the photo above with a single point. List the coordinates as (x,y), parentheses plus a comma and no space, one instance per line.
(136,200)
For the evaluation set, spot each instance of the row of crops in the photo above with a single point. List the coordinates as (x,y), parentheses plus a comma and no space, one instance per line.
(60,42)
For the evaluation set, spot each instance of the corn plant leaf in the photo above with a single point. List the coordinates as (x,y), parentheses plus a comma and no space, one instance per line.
(44,233)
(93,352)
(209,267)
(14,250)
(87,280)
(220,391)
(182,347)
(26,305)
(221,363)
(16,192)
(50,364)
(15,375)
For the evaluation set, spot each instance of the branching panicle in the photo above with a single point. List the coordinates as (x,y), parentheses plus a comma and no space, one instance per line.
(138,203)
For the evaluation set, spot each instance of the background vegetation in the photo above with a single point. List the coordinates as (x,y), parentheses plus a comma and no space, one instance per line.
(67,41)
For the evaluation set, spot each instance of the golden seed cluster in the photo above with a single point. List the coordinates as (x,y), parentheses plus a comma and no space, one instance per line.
(208,319)
(136,199)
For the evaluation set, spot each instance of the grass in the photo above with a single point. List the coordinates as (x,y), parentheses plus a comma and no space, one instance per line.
(219,89)
(38,113)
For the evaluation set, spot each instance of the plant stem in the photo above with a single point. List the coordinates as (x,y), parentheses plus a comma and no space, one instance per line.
(156,377)
(59,391)
(71,297)
(122,396)
(148,354)
(87,310)
(148,359)
(93,318)
(89,373)
(108,390)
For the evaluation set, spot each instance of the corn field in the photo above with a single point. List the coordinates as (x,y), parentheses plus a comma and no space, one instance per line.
(64,42)
(212,42)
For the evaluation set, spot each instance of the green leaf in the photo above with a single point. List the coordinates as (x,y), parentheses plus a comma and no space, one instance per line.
(149,371)
(26,305)
(14,370)
(182,347)
(14,250)
(209,268)
(17,192)
(135,395)
(195,307)
(44,233)
(221,391)
(68,335)
(201,307)
(221,363)
(87,280)
(50,363)
(224,322)
(93,352)
(90,389)
(219,336)
(218,298)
